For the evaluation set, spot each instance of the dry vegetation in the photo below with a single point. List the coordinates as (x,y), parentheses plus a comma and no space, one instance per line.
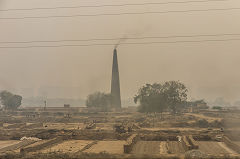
(120,135)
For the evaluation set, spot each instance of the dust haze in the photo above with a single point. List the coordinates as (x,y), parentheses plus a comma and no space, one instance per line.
(128,79)
(209,69)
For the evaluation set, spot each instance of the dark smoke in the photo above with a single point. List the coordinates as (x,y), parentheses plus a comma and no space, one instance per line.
(121,40)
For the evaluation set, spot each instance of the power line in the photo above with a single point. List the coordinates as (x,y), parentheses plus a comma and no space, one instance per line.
(131,38)
(138,43)
(117,14)
(112,5)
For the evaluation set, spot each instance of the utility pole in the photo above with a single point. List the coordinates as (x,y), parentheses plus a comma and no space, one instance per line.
(45,105)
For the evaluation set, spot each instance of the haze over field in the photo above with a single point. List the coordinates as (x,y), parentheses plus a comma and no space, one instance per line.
(122,79)
(209,69)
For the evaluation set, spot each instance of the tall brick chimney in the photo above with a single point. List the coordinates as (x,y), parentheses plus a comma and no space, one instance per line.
(115,85)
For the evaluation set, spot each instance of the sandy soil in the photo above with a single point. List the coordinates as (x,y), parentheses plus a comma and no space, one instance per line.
(113,147)
(163,147)
(158,147)
(214,148)
(237,142)
(223,145)
(8,143)
(37,143)
(68,146)
(174,129)
(146,147)
(34,144)
(210,119)
(175,147)
(67,126)
(105,126)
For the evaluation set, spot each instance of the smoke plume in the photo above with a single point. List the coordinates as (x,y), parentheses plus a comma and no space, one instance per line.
(121,40)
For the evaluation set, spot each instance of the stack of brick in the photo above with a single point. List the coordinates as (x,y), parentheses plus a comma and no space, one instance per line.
(42,146)
(131,141)
(193,142)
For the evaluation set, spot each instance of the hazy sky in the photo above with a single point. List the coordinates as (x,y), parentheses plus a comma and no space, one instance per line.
(209,69)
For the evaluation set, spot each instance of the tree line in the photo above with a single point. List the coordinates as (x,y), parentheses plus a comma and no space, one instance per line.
(157,97)
(10,101)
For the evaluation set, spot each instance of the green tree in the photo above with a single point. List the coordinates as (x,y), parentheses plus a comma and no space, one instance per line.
(99,100)
(198,103)
(157,97)
(151,98)
(9,100)
(217,107)
(176,93)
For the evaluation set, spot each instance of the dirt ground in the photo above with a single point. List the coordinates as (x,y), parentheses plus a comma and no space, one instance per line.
(237,142)
(174,129)
(8,143)
(175,147)
(31,145)
(163,147)
(68,146)
(34,144)
(146,147)
(105,126)
(112,147)
(214,148)
(158,147)
(159,134)
(65,126)
(201,116)
(230,151)
(71,126)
